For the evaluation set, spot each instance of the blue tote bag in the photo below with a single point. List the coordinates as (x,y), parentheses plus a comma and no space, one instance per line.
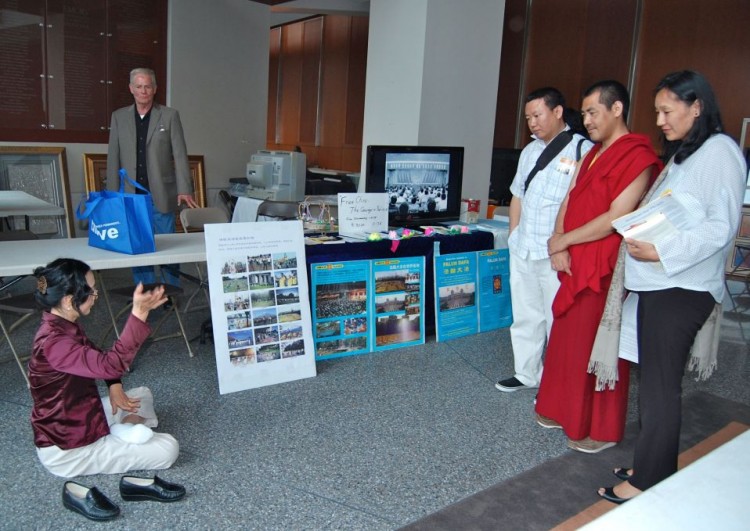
(119,221)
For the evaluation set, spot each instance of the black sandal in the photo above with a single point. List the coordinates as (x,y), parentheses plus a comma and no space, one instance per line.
(622,473)
(610,496)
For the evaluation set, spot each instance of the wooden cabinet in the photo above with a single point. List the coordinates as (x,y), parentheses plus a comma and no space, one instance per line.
(317,89)
(572,44)
(65,64)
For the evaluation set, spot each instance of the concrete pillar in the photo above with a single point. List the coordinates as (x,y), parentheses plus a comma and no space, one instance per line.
(432,77)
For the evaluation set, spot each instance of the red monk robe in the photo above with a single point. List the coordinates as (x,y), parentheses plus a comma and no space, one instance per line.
(566,393)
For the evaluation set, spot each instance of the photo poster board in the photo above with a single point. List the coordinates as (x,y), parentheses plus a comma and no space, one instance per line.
(260,307)
(341,326)
(456,311)
(362,214)
(398,302)
(494,306)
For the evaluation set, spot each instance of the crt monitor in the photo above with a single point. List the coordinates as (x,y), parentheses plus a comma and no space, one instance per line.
(276,175)
(423,183)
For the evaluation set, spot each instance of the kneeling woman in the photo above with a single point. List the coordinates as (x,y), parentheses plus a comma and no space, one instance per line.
(73,431)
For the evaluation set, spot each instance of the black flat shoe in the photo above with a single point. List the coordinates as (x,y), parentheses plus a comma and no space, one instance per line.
(89,502)
(609,495)
(133,488)
(622,473)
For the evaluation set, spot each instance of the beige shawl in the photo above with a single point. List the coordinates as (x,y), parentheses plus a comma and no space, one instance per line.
(604,354)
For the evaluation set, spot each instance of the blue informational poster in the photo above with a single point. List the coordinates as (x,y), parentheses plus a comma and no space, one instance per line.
(398,302)
(472,293)
(494,289)
(455,295)
(341,326)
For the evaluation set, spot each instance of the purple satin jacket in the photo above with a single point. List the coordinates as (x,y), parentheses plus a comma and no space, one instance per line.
(63,369)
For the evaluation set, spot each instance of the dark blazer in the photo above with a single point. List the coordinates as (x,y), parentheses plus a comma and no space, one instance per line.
(166,155)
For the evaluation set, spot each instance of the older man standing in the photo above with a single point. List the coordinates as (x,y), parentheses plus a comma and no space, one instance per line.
(545,170)
(147,140)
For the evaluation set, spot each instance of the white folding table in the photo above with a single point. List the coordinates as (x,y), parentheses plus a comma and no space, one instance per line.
(18,203)
(21,257)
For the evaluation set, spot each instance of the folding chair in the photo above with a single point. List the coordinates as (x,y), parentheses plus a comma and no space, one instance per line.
(278,209)
(24,306)
(194,220)
(228,201)
(738,270)
(171,292)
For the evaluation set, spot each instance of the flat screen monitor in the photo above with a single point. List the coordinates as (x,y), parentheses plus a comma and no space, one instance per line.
(504,167)
(423,183)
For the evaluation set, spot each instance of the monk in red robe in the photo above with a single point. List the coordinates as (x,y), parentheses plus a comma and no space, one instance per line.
(609,183)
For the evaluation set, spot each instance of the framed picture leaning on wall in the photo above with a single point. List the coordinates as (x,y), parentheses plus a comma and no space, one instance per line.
(95,174)
(43,173)
(95,171)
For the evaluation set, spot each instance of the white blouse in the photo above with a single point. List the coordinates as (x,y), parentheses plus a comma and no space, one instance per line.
(711,185)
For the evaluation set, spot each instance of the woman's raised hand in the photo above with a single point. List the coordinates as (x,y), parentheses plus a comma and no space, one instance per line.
(145,301)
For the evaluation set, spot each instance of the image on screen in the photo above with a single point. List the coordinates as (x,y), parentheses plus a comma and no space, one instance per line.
(417,183)
(422,183)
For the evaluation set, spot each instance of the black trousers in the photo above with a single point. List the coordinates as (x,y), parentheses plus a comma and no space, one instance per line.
(668,321)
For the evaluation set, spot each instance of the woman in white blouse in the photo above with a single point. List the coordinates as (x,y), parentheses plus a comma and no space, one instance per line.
(680,279)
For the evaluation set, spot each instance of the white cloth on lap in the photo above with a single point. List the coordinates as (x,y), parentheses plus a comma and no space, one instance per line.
(131,433)
(146,411)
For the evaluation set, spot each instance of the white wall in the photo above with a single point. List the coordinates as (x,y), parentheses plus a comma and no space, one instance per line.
(218,71)
(393,87)
(461,74)
(217,79)
(432,75)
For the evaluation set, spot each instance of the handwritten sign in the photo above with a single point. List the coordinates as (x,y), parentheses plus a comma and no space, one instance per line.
(362,214)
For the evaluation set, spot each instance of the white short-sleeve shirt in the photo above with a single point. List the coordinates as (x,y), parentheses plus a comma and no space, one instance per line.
(541,202)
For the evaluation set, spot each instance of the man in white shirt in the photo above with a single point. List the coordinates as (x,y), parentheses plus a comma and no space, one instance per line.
(533,210)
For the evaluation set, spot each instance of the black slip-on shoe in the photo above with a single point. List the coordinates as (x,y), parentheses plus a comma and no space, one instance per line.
(134,488)
(90,502)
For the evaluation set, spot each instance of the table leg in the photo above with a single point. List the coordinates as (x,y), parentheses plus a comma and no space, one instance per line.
(107,303)
(5,285)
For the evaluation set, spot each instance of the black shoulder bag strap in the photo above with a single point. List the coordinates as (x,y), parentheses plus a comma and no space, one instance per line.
(549,153)
(578,149)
